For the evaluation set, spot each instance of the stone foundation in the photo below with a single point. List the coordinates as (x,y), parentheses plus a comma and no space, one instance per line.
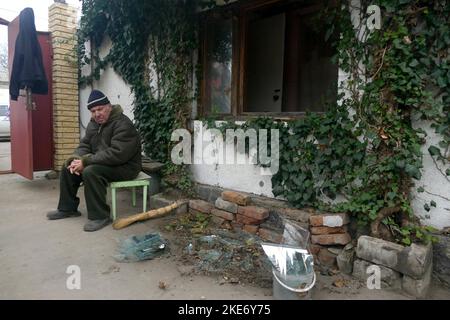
(407,268)
(441,259)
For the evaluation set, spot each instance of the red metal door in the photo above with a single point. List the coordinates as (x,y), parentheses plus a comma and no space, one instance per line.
(31,130)
(42,117)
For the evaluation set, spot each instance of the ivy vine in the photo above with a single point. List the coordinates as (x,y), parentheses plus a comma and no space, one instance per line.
(405,78)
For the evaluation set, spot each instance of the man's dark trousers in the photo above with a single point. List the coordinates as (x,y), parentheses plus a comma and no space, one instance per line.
(95,178)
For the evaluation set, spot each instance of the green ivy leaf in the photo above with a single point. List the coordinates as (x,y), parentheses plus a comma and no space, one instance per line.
(406,241)
(426,207)
(405,232)
(400,164)
(442,82)
(329,32)
(434,151)
(413,171)
(391,195)
(433,203)
(414,63)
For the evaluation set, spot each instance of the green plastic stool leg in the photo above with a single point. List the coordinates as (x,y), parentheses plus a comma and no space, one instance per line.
(133,196)
(113,203)
(144,200)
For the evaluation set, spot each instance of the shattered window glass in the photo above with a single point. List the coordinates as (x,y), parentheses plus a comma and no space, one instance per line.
(219,60)
(293,266)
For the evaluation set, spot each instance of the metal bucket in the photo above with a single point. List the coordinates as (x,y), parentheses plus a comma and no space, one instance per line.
(281,291)
(292,270)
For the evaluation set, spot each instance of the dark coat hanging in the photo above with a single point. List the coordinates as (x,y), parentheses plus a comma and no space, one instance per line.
(28,68)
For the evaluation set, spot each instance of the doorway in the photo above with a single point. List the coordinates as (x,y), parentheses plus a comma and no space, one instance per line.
(5,126)
(31,126)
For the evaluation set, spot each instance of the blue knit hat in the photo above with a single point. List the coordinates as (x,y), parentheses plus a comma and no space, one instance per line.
(97,98)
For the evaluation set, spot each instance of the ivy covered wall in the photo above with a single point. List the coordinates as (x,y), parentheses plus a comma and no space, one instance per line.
(374,147)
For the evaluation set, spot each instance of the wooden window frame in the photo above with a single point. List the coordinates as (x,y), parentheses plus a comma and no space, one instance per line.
(240,20)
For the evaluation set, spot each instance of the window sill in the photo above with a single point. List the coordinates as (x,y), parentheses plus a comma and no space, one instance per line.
(253,115)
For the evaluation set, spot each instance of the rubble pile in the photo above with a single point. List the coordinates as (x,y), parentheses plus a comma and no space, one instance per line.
(226,237)
(231,244)
(232,255)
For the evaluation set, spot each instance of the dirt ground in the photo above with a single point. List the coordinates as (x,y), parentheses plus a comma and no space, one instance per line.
(35,254)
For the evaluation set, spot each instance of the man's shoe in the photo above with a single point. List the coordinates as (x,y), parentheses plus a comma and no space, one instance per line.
(94,225)
(56,214)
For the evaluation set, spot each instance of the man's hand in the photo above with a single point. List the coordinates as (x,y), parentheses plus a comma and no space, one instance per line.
(76,167)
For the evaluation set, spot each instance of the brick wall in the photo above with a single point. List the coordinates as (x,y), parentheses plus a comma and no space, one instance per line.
(62,25)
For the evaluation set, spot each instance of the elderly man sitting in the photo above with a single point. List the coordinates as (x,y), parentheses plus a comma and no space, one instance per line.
(110,151)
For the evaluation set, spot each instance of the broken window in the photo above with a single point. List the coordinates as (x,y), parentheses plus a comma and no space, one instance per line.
(280,58)
(218,64)
(310,78)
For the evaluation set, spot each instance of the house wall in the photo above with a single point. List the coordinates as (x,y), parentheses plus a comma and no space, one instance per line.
(435,183)
(111,84)
(240,177)
(248,178)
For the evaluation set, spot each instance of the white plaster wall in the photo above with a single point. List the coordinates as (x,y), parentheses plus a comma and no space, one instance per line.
(241,177)
(435,183)
(246,178)
(111,84)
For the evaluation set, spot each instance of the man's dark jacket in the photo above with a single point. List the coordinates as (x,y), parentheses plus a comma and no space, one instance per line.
(114,143)
(27,69)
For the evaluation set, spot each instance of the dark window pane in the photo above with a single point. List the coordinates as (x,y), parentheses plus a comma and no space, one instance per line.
(264,69)
(218,67)
(288,63)
(287,66)
(310,76)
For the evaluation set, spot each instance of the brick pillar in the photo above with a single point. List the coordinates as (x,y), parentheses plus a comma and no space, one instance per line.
(66,133)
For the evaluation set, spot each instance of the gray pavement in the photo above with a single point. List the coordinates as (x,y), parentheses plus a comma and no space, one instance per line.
(35,254)
(5,156)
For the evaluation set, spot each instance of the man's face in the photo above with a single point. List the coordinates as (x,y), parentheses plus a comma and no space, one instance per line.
(101,113)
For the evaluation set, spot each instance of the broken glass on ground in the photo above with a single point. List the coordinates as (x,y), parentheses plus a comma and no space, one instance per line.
(293,266)
(235,253)
(231,255)
(141,247)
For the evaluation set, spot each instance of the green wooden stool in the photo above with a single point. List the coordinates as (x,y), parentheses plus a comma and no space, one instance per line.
(142,180)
